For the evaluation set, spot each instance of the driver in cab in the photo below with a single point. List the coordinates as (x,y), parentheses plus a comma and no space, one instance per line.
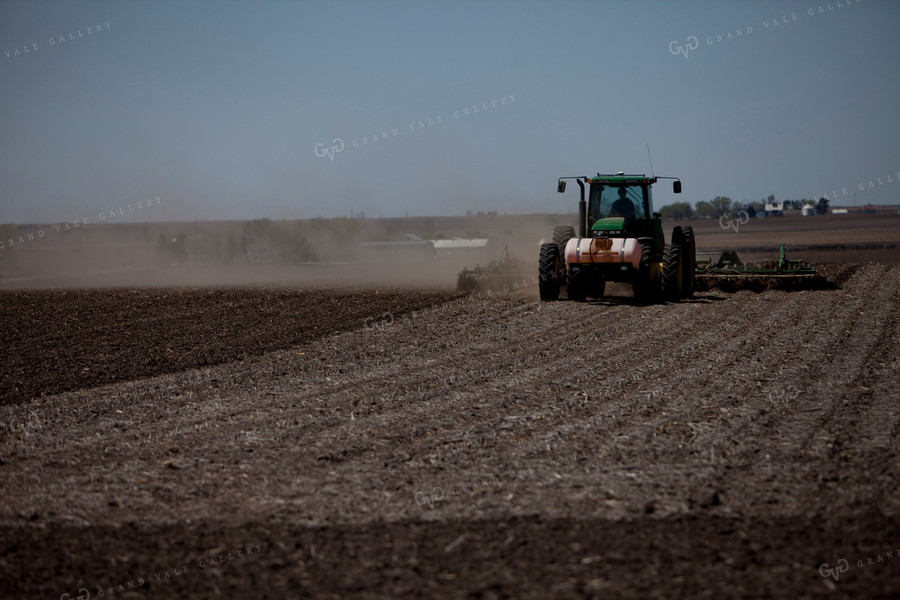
(623,207)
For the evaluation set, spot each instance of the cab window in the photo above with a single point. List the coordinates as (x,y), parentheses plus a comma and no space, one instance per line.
(604,197)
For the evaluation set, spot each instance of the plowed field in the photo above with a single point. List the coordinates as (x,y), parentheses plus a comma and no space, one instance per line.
(277,443)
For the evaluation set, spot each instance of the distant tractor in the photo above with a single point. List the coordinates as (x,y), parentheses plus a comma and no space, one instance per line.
(619,239)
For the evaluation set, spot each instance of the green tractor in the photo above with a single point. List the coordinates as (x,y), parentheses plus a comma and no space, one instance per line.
(620,239)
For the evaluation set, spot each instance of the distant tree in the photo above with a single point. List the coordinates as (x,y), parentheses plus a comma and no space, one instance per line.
(720,205)
(751,210)
(704,209)
(771,198)
(677,211)
(822,206)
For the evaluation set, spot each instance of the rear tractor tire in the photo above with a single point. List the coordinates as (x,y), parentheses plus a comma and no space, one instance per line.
(561,236)
(684,236)
(673,273)
(550,271)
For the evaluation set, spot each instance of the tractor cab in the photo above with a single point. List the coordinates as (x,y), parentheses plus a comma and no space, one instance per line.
(622,206)
(626,201)
(619,205)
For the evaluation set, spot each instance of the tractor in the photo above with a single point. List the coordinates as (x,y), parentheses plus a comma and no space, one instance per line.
(619,239)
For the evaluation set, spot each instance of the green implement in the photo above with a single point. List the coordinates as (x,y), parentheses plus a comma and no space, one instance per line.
(728,273)
(505,273)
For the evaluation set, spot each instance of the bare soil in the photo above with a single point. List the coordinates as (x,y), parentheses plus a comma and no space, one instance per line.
(57,341)
(486,446)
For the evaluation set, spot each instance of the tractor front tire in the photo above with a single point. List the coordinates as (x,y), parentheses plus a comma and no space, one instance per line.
(549,272)
(673,273)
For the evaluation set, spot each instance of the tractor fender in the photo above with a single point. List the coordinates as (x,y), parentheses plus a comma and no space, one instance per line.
(587,251)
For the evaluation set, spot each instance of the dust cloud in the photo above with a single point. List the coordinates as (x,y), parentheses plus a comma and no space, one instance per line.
(317,252)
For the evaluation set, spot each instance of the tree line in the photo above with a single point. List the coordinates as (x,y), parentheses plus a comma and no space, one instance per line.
(725,206)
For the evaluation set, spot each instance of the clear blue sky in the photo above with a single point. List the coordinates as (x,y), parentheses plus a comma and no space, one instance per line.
(218,107)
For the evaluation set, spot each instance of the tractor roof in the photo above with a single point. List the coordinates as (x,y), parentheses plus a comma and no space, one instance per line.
(620,179)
